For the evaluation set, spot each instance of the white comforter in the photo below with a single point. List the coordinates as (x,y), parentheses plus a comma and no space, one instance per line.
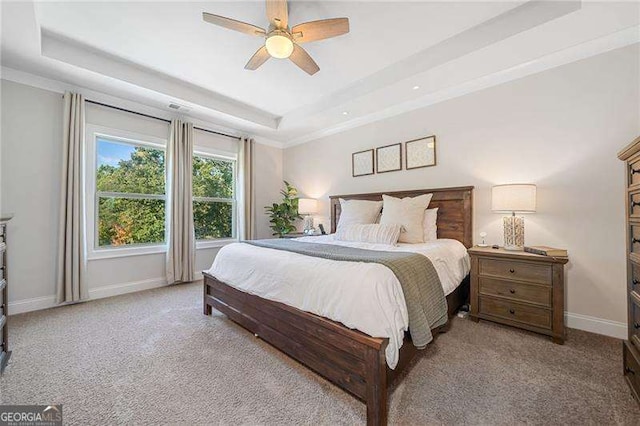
(362,296)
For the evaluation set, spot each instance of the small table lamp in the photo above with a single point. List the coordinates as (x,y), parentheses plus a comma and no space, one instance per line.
(513,198)
(307,207)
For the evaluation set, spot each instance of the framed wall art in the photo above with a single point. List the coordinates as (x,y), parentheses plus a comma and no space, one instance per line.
(389,158)
(420,153)
(362,163)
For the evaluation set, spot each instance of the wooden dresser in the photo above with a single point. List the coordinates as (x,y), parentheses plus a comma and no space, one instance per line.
(519,289)
(5,353)
(631,348)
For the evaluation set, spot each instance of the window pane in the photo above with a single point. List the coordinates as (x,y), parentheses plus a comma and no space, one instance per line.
(124,221)
(129,168)
(212,220)
(212,178)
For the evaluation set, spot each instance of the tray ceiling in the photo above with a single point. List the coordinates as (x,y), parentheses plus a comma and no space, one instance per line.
(396,55)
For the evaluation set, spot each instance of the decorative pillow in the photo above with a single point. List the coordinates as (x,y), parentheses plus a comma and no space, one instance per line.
(429,224)
(373,233)
(408,212)
(358,212)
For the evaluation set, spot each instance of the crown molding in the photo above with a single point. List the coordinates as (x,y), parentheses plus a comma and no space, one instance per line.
(72,52)
(514,21)
(32,80)
(616,40)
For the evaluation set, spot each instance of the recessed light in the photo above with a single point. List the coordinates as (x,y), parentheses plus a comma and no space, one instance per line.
(345,112)
(416,87)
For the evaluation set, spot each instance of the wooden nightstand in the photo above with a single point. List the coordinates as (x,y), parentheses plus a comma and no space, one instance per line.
(519,289)
(298,235)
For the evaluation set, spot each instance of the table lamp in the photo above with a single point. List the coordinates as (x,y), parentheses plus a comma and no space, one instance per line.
(307,207)
(513,198)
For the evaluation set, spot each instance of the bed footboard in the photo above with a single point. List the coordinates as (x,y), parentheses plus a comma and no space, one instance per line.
(350,359)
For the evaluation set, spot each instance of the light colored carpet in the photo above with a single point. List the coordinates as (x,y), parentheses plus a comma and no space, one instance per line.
(152,357)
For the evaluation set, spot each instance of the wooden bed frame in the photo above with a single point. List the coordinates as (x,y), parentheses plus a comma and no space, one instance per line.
(350,359)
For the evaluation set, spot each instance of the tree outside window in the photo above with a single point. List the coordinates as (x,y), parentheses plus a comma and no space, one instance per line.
(130,193)
(213,197)
(130,196)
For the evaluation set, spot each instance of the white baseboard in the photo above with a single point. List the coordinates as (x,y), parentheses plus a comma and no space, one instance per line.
(46,302)
(596,325)
(577,321)
(34,304)
(124,288)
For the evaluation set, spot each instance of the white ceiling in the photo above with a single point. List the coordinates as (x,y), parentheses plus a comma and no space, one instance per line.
(159,52)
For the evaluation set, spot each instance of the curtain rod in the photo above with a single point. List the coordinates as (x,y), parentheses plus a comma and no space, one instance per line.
(157,118)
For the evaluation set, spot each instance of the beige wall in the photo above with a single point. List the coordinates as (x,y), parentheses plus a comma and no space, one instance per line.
(268,171)
(31,137)
(560,129)
(31,146)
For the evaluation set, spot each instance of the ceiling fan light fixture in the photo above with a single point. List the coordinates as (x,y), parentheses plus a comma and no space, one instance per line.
(282,41)
(279,45)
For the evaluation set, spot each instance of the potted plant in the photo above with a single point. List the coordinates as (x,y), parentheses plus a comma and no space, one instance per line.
(283,215)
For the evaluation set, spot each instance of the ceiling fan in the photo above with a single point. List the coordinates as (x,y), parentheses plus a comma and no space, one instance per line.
(280,41)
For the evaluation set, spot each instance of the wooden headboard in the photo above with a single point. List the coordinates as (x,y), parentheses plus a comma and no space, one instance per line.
(455,209)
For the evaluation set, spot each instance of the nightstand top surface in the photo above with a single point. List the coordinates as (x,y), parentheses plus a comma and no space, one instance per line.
(515,255)
(298,235)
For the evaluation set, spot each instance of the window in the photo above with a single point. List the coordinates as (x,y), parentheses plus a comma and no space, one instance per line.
(125,198)
(214,205)
(129,193)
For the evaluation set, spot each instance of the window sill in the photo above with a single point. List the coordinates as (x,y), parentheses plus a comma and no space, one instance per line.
(207,244)
(111,253)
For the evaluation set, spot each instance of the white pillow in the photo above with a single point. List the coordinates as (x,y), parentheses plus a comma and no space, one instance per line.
(429,224)
(373,233)
(408,212)
(358,212)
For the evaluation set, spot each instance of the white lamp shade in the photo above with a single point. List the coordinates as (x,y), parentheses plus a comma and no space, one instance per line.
(513,198)
(307,206)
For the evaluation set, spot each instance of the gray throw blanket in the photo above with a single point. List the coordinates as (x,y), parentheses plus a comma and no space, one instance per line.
(426,303)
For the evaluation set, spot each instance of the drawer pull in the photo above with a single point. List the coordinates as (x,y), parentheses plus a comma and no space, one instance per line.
(635,241)
(513,270)
(512,290)
(630,370)
(634,171)
(512,311)
(635,282)
(635,204)
(636,325)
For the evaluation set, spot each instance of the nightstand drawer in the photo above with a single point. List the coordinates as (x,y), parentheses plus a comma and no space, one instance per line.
(634,326)
(631,368)
(635,239)
(513,270)
(634,204)
(634,172)
(540,295)
(513,311)
(634,282)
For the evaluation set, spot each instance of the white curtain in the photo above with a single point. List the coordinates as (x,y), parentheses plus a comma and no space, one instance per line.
(181,251)
(246,210)
(71,282)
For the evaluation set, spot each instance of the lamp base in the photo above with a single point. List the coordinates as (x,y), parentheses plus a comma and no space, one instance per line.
(308,224)
(513,232)
(514,248)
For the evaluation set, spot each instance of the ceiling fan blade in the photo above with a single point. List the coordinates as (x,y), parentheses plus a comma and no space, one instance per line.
(258,58)
(320,30)
(232,24)
(301,58)
(277,12)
